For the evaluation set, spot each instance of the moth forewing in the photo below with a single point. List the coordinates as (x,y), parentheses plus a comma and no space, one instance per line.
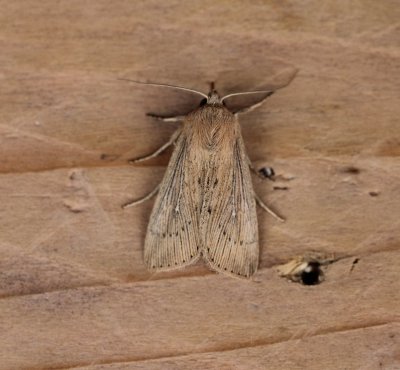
(172,238)
(231,232)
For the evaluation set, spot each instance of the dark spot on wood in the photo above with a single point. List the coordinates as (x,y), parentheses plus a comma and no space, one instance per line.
(197,247)
(176,233)
(212,259)
(189,223)
(373,193)
(208,181)
(170,234)
(176,263)
(191,256)
(153,267)
(225,268)
(241,242)
(161,266)
(230,239)
(163,235)
(215,182)
(183,229)
(352,170)
(183,261)
(219,265)
(199,181)
(209,210)
(224,233)
(280,188)
(354,264)
(103,156)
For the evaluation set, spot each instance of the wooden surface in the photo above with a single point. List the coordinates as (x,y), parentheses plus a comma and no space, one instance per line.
(74,290)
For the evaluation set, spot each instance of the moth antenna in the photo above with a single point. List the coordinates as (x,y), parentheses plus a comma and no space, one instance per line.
(248,93)
(261,91)
(165,85)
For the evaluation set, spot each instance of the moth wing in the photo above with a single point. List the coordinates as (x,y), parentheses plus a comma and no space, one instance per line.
(230,231)
(172,234)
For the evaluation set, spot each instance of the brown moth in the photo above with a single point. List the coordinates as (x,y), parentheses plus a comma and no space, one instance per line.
(206,205)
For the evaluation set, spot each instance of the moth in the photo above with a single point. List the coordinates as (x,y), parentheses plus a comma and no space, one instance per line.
(206,205)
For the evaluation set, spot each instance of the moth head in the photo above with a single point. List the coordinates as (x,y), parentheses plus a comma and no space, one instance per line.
(214,98)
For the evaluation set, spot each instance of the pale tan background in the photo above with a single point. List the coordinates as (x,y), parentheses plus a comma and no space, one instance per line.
(74,291)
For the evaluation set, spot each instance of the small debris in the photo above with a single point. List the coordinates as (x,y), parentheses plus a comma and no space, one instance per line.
(307,269)
(267,172)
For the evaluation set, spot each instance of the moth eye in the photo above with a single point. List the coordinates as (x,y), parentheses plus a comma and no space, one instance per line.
(203,102)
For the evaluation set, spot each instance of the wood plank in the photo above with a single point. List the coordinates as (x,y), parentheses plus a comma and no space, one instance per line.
(164,318)
(324,351)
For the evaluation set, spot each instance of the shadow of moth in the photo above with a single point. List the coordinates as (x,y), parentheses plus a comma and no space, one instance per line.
(206,205)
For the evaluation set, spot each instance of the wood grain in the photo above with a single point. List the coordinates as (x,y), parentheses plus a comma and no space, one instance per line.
(74,290)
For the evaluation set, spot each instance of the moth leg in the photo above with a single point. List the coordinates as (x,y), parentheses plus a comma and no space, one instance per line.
(171,141)
(267,209)
(167,119)
(143,199)
(254,106)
